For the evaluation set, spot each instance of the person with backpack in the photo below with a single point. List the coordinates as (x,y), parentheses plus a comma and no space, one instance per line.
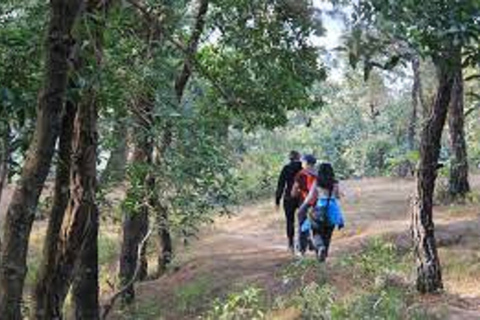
(304,181)
(327,214)
(284,187)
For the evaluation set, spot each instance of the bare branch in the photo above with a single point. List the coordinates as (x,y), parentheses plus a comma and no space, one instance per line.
(111,302)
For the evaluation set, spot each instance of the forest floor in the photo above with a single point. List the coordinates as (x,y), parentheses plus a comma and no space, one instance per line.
(249,250)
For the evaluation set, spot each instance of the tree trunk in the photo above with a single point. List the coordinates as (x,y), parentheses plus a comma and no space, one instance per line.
(43,294)
(21,211)
(81,218)
(5,156)
(181,82)
(412,126)
(458,185)
(135,224)
(164,239)
(429,276)
(85,288)
(115,169)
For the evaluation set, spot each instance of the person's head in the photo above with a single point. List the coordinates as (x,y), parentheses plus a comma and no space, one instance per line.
(309,161)
(294,155)
(326,176)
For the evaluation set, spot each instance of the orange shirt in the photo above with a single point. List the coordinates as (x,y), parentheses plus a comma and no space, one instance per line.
(304,181)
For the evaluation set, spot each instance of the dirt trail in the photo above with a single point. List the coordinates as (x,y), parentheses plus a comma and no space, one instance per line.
(251,247)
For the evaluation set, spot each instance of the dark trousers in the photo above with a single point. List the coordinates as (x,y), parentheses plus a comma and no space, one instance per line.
(290,205)
(303,236)
(322,236)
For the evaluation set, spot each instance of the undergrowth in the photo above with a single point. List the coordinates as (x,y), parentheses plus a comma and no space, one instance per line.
(246,304)
(379,287)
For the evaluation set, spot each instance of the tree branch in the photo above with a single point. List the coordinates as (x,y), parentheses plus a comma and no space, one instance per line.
(111,302)
(471,110)
(191,49)
(232,101)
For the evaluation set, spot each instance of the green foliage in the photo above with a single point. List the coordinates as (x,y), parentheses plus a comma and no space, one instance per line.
(108,248)
(357,141)
(376,259)
(377,295)
(21,49)
(150,310)
(243,305)
(263,60)
(192,295)
(390,303)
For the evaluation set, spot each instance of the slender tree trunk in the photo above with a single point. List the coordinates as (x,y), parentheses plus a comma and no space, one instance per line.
(412,126)
(165,241)
(115,169)
(5,156)
(429,276)
(181,82)
(135,223)
(43,295)
(21,211)
(85,288)
(458,180)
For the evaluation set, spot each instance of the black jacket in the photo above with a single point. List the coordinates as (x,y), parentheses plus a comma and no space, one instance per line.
(286,180)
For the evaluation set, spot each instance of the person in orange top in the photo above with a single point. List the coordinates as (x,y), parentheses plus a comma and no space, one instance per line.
(304,181)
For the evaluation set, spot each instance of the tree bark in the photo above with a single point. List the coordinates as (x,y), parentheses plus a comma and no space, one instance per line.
(458,184)
(135,223)
(412,126)
(429,276)
(85,288)
(115,169)
(21,211)
(43,294)
(5,156)
(164,239)
(81,218)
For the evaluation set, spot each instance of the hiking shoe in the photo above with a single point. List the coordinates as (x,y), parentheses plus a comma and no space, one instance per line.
(300,254)
(291,248)
(321,254)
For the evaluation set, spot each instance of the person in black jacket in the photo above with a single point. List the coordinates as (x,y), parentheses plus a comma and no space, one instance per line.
(284,187)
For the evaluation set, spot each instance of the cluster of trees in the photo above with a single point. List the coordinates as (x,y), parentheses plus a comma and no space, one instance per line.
(140,94)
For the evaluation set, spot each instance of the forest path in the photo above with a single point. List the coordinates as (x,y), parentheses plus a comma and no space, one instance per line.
(251,246)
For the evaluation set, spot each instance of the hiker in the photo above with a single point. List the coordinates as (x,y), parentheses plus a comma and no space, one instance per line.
(327,213)
(304,181)
(284,187)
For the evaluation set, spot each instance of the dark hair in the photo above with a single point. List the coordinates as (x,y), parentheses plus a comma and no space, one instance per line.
(294,155)
(310,159)
(326,176)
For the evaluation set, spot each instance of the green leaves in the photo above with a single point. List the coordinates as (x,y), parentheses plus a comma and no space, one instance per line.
(262,59)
